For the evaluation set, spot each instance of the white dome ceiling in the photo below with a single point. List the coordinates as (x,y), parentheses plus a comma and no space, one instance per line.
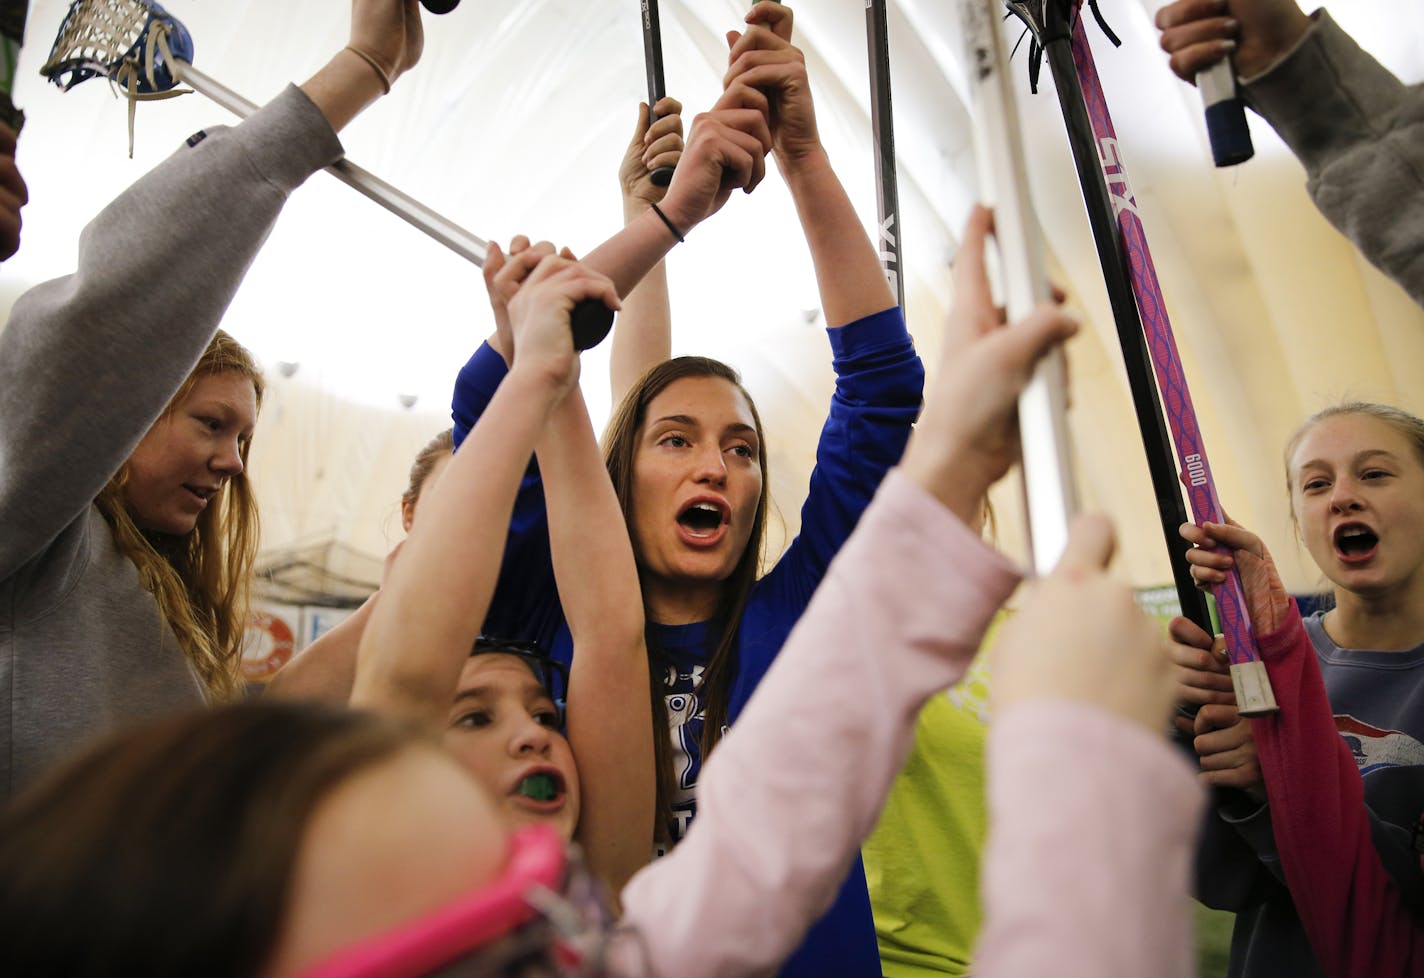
(515,122)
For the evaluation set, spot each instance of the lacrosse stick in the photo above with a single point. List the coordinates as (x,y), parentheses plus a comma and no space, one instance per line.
(657,88)
(1111,203)
(12,35)
(1151,425)
(142,48)
(1049,489)
(882,124)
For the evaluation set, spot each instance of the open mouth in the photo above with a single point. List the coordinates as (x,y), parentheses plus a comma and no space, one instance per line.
(703,518)
(1354,541)
(541,786)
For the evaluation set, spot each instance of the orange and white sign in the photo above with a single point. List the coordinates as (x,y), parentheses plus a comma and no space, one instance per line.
(269,644)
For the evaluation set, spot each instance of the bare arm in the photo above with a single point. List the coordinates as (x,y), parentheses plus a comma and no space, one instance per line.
(389,32)
(644,335)
(609,713)
(326,669)
(848,272)
(726,151)
(431,608)
(422,630)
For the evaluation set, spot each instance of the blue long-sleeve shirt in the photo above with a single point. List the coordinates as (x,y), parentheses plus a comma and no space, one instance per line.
(879,381)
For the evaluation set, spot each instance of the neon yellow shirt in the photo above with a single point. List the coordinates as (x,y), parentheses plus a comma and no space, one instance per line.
(922,860)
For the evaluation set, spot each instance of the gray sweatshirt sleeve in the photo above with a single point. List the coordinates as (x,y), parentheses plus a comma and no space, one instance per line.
(1359,131)
(89,361)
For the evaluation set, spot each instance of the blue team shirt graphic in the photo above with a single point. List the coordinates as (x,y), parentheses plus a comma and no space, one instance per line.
(686,717)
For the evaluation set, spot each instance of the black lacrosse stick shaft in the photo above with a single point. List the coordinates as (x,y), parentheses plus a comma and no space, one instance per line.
(1050,22)
(657,88)
(882,124)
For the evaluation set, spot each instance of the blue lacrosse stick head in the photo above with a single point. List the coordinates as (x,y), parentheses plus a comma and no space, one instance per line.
(88,47)
(180,46)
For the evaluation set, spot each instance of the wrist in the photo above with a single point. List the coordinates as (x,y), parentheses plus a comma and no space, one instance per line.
(676,211)
(804,165)
(344,87)
(543,379)
(957,484)
(634,207)
(668,223)
(1278,39)
(381,73)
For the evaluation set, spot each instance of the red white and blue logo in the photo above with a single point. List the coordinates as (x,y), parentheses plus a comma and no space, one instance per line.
(1375,748)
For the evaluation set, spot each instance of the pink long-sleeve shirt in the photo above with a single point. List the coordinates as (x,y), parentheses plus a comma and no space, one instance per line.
(1093,819)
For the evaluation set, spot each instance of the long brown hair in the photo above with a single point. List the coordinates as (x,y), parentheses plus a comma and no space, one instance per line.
(168,850)
(620,450)
(200,581)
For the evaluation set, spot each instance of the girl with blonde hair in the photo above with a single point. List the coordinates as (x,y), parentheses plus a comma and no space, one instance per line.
(198,569)
(127,528)
(1324,797)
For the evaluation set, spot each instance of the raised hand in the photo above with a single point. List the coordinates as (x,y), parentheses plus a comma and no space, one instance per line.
(539,309)
(390,32)
(503,274)
(1267,601)
(385,42)
(1199,33)
(967,435)
(762,57)
(726,151)
(1080,636)
(652,147)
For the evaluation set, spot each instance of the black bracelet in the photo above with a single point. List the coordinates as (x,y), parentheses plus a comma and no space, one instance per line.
(670,226)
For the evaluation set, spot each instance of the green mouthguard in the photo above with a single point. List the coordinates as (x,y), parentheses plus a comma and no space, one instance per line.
(540,787)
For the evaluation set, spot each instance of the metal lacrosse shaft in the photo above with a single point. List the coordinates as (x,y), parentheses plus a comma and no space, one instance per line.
(882,125)
(1049,487)
(84,49)
(590,319)
(1253,688)
(464,243)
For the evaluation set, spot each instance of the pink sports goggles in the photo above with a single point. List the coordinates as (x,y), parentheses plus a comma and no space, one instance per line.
(545,916)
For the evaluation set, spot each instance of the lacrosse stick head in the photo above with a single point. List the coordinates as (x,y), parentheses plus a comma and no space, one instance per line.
(131,42)
(1046,21)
